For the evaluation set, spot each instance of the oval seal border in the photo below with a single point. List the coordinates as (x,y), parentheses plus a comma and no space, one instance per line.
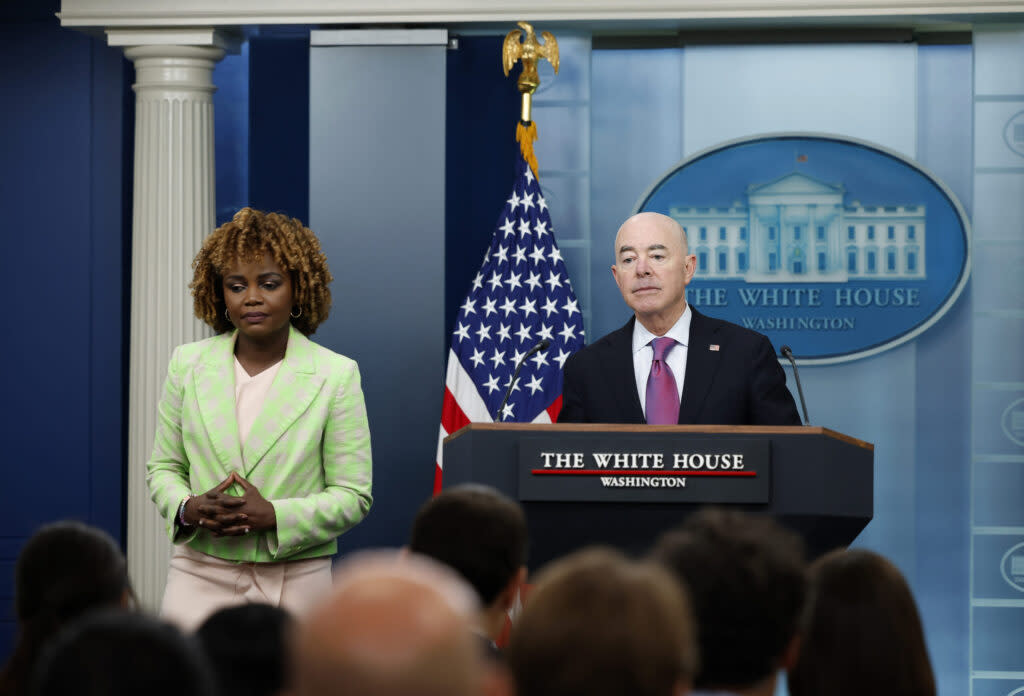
(1016,120)
(1004,421)
(903,337)
(1002,567)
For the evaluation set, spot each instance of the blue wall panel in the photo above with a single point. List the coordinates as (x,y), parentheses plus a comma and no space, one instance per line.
(998,485)
(998,687)
(998,638)
(480,155)
(942,383)
(231,133)
(377,153)
(64,196)
(997,565)
(278,108)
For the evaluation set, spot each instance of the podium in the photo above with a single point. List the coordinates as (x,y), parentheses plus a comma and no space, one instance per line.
(623,485)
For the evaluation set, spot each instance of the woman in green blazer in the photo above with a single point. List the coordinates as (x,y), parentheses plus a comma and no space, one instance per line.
(262,451)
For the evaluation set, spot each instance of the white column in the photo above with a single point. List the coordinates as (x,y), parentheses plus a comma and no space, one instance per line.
(173,211)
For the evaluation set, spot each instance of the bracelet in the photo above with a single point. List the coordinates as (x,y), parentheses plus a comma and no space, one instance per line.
(181,511)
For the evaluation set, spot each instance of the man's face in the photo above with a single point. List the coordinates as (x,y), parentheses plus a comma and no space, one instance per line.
(652,268)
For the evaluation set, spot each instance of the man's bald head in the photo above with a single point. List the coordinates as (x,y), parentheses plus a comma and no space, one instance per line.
(653,221)
(394,626)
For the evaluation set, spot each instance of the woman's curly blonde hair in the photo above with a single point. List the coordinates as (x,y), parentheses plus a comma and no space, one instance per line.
(249,235)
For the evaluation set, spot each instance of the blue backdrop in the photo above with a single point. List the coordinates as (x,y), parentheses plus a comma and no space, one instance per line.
(940,409)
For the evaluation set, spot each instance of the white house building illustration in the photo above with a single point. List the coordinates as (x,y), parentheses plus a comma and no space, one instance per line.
(797,229)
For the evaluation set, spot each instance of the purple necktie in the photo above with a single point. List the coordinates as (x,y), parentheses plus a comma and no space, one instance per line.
(662,397)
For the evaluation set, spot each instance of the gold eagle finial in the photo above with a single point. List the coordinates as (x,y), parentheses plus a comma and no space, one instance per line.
(530,51)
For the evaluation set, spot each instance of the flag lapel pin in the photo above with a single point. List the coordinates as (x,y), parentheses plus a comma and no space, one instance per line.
(713,346)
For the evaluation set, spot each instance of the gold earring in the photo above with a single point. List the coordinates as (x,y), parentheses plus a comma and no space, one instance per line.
(226,315)
(296,316)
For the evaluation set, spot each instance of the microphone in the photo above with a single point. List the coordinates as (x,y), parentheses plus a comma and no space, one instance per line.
(543,344)
(787,353)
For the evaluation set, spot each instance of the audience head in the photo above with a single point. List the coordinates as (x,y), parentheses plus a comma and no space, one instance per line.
(747,582)
(246,649)
(249,236)
(598,624)
(117,653)
(395,625)
(479,533)
(862,632)
(64,571)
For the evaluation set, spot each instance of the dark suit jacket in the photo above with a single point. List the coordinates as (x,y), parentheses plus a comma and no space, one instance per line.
(739,383)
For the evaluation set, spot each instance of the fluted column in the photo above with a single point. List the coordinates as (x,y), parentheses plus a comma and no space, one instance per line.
(173,210)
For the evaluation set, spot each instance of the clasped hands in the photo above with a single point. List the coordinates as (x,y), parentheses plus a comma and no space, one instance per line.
(228,515)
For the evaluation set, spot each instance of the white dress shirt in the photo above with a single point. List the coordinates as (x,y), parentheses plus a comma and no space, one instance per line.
(643,354)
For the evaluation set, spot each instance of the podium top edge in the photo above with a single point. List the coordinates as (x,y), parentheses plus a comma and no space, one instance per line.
(633,428)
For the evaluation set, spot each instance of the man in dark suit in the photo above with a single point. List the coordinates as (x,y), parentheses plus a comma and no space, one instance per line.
(671,364)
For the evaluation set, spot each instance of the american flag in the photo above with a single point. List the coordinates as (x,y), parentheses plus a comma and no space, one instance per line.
(521,296)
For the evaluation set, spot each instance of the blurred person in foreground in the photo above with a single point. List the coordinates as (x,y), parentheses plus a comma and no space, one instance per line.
(117,653)
(394,625)
(480,534)
(246,648)
(862,632)
(64,571)
(598,624)
(747,580)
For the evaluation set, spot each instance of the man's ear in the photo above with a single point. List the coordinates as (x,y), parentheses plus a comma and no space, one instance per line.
(127,600)
(521,577)
(791,654)
(690,267)
(510,593)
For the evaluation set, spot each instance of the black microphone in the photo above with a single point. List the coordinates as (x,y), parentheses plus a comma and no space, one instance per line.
(787,353)
(543,344)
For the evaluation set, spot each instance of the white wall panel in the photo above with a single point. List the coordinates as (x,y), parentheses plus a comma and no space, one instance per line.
(862,91)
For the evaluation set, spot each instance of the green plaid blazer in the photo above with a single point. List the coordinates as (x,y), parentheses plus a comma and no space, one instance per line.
(308,452)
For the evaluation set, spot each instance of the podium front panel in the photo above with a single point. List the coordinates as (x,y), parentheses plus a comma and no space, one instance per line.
(818,484)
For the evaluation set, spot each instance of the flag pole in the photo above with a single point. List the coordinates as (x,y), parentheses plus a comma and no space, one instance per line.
(530,51)
(521,312)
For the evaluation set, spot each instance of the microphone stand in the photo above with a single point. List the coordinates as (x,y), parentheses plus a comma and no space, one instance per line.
(787,353)
(541,345)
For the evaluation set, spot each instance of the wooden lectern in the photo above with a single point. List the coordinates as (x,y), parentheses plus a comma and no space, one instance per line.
(623,485)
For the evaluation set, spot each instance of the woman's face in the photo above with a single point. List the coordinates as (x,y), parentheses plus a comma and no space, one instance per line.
(258,295)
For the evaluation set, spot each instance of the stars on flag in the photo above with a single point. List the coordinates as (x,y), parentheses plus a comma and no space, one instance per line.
(521,295)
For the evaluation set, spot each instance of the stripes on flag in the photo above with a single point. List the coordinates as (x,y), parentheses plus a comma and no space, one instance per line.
(520,296)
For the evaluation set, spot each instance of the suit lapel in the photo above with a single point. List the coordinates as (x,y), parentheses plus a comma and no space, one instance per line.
(617,365)
(215,392)
(701,364)
(294,388)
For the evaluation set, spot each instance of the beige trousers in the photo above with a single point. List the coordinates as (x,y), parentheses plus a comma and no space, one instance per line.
(199,584)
